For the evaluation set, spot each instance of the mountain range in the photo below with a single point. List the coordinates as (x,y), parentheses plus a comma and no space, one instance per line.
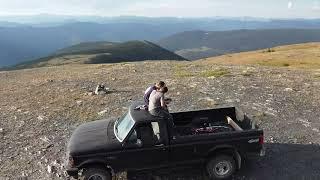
(31,37)
(201,44)
(214,23)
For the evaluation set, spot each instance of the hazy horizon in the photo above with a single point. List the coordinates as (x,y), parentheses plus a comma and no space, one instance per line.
(137,16)
(274,9)
(45,19)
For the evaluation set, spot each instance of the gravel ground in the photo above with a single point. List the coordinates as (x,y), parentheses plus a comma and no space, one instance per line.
(39,109)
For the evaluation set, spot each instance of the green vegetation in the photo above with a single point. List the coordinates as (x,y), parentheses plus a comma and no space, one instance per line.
(104,52)
(86,48)
(181,71)
(185,71)
(214,73)
(274,63)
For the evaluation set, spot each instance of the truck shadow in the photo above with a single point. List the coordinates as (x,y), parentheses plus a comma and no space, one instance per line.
(285,162)
(282,162)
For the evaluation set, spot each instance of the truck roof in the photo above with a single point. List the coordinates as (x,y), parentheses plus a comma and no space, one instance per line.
(140,115)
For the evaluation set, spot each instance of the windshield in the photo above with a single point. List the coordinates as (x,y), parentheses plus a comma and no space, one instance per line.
(123,126)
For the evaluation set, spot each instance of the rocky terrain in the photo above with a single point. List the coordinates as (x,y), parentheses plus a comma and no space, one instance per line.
(39,109)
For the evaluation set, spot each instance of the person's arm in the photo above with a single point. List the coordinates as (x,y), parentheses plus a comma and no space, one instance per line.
(163,103)
(146,99)
(147,95)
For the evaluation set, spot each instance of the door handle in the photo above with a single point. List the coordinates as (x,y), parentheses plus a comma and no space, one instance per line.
(159,145)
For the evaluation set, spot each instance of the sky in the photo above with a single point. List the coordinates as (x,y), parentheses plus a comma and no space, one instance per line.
(166,8)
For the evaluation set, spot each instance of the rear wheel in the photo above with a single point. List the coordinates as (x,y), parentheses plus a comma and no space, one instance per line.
(221,167)
(96,173)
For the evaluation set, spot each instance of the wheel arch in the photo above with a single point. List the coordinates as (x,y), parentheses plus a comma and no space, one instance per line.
(226,150)
(96,163)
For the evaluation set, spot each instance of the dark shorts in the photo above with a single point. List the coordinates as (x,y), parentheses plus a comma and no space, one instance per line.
(164,113)
(160,112)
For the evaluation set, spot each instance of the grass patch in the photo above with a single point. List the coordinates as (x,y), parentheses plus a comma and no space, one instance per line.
(179,66)
(317,76)
(274,63)
(214,73)
(290,63)
(181,71)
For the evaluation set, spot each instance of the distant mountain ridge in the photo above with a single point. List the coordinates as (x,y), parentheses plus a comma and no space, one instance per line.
(103,52)
(201,44)
(216,23)
(86,48)
(31,37)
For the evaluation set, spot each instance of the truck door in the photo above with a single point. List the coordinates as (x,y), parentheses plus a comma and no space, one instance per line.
(146,147)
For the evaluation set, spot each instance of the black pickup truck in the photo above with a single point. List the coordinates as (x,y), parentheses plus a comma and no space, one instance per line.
(217,139)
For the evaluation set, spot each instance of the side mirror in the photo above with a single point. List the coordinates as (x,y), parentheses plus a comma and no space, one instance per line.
(139,143)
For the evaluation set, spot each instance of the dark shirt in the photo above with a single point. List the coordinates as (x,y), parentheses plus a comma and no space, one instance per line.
(147,94)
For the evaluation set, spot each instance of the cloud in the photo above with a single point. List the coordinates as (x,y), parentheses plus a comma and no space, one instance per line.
(69,7)
(316,5)
(290,5)
(180,8)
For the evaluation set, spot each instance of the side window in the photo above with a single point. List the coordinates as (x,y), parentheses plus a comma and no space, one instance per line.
(133,137)
(148,134)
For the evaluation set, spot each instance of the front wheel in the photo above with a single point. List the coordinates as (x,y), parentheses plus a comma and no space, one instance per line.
(221,167)
(96,174)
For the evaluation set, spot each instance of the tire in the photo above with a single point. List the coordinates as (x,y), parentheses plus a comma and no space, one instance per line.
(96,174)
(221,167)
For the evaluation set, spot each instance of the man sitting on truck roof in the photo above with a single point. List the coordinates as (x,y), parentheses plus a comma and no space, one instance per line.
(157,105)
(147,93)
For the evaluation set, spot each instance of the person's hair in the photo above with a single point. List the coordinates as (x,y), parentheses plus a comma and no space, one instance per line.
(160,84)
(163,89)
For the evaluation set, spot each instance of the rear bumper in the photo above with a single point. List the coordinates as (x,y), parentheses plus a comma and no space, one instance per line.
(73,172)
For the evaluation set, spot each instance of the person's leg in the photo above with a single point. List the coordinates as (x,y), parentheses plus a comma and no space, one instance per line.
(156,112)
(160,112)
(164,113)
(168,117)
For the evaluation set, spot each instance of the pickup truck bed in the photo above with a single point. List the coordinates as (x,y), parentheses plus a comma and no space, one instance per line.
(218,120)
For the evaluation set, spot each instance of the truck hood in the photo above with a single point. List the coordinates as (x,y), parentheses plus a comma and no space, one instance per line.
(93,137)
